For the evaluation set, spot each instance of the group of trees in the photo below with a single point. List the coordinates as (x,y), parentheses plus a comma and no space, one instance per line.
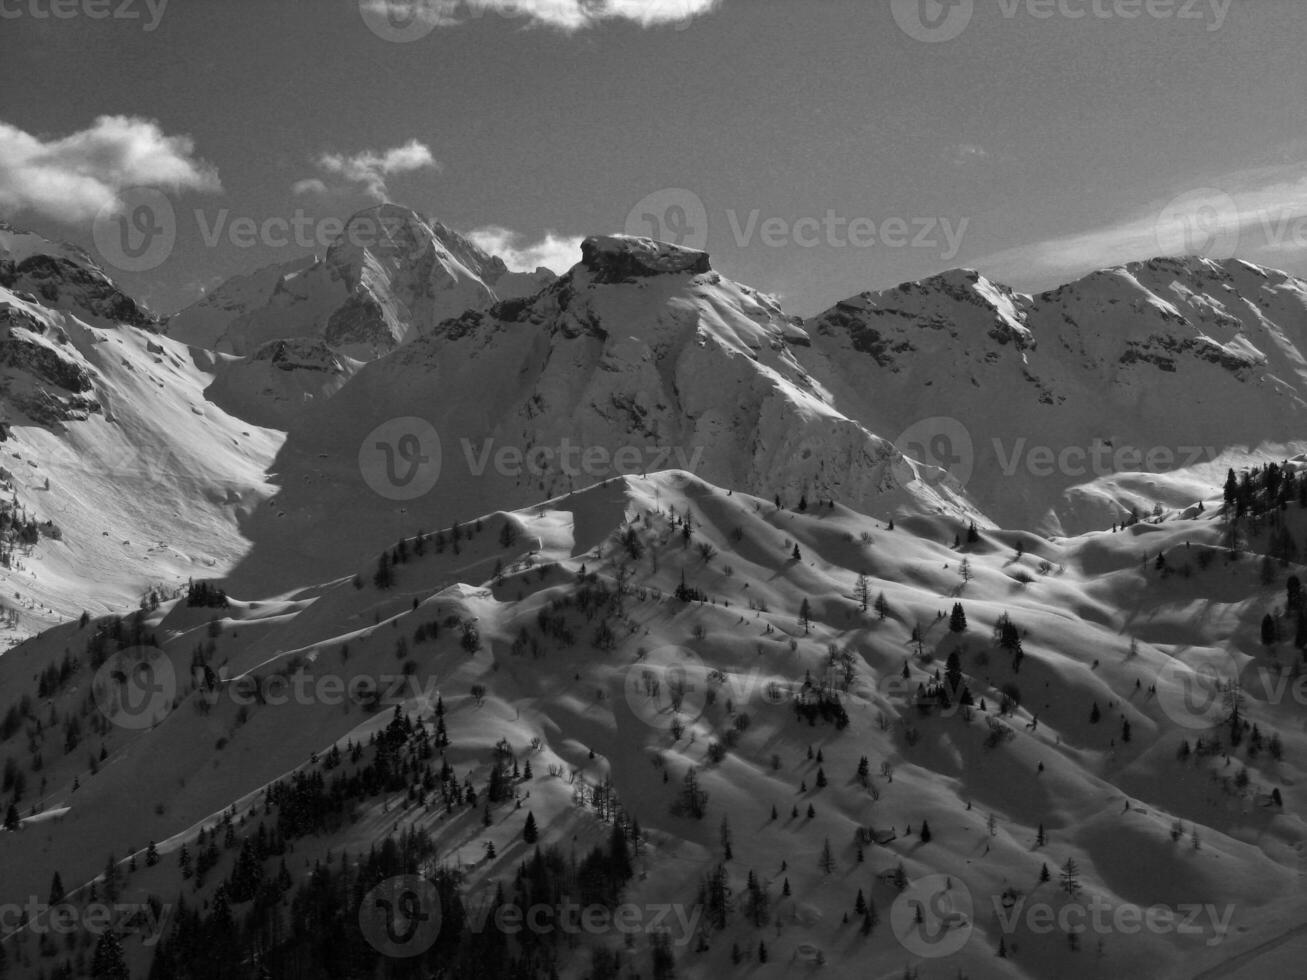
(207,595)
(402,551)
(1260,490)
(248,914)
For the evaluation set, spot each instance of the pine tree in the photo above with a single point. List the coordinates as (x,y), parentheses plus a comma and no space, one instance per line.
(827,860)
(384,577)
(870,920)
(56,889)
(805,616)
(925,832)
(882,606)
(1269,633)
(953,673)
(108,962)
(693,800)
(529,832)
(957,622)
(862,592)
(1070,877)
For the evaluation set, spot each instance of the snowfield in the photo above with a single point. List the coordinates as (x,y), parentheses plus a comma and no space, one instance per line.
(805,601)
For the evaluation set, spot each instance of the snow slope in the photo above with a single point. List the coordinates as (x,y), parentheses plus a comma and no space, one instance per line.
(110,437)
(579,711)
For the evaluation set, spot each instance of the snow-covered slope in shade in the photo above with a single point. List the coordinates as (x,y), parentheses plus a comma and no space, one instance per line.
(279,381)
(1201,363)
(640,358)
(389,276)
(203,323)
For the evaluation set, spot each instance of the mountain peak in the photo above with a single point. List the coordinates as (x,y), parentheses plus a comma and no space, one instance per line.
(614,258)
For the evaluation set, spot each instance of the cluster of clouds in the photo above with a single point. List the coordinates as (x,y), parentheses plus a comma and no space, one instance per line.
(566,15)
(72,178)
(366,171)
(557,253)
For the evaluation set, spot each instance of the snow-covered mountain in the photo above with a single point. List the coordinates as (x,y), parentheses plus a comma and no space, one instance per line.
(638,359)
(110,445)
(521,515)
(389,276)
(1060,411)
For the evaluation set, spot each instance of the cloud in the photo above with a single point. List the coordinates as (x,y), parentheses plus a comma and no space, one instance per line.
(72,178)
(310,185)
(567,15)
(368,170)
(1250,213)
(555,252)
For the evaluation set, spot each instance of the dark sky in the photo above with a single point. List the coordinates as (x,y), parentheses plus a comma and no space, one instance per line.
(830,148)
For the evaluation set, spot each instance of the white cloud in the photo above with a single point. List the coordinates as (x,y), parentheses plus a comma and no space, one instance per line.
(71,178)
(555,252)
(310,185)
(567,15)
(369,169)
(1250,214)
